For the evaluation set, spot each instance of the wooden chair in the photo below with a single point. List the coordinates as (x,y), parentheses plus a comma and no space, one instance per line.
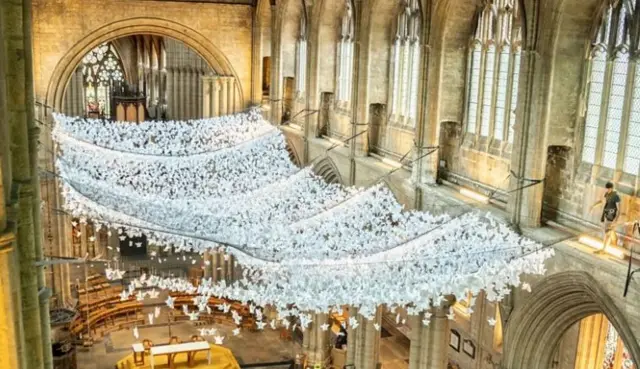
(147,346)
(174,340)
(192,355)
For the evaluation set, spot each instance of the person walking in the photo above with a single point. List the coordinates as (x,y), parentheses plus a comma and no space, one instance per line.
(610,213)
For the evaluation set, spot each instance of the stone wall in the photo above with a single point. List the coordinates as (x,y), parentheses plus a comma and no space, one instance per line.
(226,27)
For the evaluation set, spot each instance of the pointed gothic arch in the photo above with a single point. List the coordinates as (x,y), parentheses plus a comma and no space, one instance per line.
(327,169)
(137,26)
(535,327)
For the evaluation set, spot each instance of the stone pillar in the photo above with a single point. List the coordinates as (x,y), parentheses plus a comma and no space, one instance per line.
(20,118)
(367,342)
(207,268)
(316,343)
(200,99)
(224,99)
(206,96)
(529,155)
(168,94)
(429,344)
(79,92)
(215,264)
(179,95)
(11,336)
(231,83)
(351,340)
(186,96)
(215,97)
(276,93)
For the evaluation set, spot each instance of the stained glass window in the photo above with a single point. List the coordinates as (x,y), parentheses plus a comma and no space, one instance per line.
(405,68)
(494,68)
(101,69)
(612,117)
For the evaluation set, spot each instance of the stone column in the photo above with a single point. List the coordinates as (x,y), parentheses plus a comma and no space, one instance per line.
(429,344)
(206,96)
(168,93)
(316,343)
(180,93)
(351,340)
(207,268)
(188,101)
(529,155)
(84,248)
(79,92)
(200,101)
(276,68)
(22,130)
(367,342)
(11,336)
(215,97)
(224,100)
(231,83)
(215,264)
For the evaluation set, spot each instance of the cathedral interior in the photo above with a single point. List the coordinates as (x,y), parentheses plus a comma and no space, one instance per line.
(528,110)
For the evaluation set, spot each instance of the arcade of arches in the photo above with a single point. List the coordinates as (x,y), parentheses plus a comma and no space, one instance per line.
(521,108)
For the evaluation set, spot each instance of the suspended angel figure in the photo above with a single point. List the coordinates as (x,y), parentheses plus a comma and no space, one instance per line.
(193,316)
(169,301)
(236,331)
(124,295)
(135,332)
(324,327)
(376,326)
(260,325)
(492,322)
(157,311)
(218,340)
(272,324)
(150,315)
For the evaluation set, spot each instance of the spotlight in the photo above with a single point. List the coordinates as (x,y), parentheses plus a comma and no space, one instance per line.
(474,195)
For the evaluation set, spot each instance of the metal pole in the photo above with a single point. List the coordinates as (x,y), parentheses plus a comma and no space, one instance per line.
(86,291)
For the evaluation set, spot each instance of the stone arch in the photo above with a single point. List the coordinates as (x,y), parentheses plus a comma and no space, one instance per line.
(293,155)
(135,26)
(327,169)
(556,303)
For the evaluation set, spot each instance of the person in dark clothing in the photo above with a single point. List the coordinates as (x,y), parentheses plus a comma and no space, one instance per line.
(342,338)
(610,213)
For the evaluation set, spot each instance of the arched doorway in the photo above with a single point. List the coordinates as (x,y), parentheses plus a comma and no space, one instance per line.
(535,328)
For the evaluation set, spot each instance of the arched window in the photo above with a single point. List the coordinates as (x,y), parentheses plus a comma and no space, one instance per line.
(301,56)
(101,70)
(405,64)
(612,119)
(345,55)
(494,68)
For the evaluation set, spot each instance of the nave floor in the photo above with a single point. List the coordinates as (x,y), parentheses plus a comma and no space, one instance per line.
(248,347)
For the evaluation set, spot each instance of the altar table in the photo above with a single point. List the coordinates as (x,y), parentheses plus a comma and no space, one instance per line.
(181,348)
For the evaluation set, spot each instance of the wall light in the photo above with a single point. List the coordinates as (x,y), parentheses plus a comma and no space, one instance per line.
(591,242)
(474,195)
(392,163)
(597,244)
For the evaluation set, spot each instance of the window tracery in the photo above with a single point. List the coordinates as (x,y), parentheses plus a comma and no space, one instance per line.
(301,57)
(494,68)
(345,55)
(101,70)
(612,116)
(405,64)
